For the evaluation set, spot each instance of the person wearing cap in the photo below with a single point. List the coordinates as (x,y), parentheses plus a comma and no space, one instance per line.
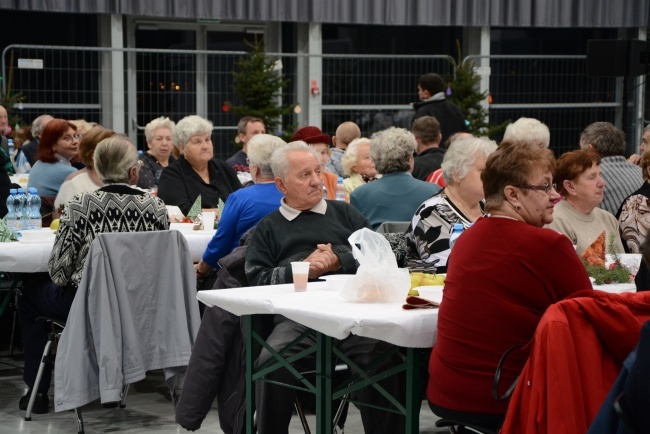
(321,143)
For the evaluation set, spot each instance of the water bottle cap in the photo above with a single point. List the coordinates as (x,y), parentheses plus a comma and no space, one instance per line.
(340,180)
(458,226)
(10,140)
(21,190)
(32,190)
(13,191)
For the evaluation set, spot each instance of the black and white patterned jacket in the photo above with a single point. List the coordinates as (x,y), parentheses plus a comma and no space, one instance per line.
(112,208)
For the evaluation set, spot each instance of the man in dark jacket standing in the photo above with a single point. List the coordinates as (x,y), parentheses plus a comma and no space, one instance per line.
(427,135)
(431,91)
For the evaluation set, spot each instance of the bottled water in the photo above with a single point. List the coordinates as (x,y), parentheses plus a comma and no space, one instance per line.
(12,148)
(33,206)
(13,222)
(20,208)
(22,165)
(340,190)
(458,230)
(324,191)
(24,215)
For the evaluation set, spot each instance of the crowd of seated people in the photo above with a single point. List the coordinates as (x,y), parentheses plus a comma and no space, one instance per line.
(524,213)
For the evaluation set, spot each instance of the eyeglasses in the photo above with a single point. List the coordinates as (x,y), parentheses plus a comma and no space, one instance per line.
(546,188)
(71,138)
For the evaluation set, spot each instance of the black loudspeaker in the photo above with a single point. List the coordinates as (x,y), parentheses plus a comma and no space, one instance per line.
(617,57)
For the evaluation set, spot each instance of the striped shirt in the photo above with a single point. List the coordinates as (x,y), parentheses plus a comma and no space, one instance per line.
(622,179)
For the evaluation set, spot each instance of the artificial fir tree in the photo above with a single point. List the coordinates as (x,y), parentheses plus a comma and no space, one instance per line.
(258,87)
(465,94)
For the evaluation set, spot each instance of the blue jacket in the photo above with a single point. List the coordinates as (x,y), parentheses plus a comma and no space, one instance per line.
(394,197)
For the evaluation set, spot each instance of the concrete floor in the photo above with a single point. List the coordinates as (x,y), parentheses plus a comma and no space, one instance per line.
(149,410)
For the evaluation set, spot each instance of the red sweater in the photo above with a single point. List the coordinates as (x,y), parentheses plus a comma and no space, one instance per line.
(502,276)
(579,348)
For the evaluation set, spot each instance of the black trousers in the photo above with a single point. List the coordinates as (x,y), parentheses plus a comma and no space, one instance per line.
(40,297)
(274,404)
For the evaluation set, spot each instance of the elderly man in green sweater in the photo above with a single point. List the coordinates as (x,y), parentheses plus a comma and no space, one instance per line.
(308,228)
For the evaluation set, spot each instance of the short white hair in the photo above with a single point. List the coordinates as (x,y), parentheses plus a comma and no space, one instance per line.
(528,130)
(392,150)
(260,148)
(462,153)
(114,157)
(280,161)
(349,159)
(161,122)
(190,126)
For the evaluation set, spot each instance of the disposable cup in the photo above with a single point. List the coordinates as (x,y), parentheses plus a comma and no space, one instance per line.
(300,272)
(208,220)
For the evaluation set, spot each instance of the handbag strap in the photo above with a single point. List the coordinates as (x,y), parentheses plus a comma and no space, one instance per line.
(497,376)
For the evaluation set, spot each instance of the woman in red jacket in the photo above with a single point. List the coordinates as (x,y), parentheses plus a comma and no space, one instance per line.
(503,273)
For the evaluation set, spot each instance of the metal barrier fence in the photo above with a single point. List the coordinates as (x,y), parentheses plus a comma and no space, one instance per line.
(374,91)
(553,89)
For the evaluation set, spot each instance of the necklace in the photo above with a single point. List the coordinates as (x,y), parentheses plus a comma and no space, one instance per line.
(503,217)
(458,203)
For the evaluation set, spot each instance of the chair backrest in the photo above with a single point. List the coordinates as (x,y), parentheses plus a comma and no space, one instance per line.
(135,310)
(393,227)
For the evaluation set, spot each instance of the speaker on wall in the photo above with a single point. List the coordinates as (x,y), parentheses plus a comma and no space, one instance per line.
(617,57)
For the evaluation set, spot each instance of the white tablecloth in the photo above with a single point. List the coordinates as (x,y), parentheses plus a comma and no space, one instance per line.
(20,179)
(32,258)
(327,312)
(617,288)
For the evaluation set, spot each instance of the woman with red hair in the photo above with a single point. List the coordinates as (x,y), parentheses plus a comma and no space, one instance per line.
(58,145)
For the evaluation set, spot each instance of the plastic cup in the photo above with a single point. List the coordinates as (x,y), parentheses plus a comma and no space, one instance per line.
(208,220)
(300,272)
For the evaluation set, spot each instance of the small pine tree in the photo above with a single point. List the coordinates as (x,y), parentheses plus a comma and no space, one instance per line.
(258,86)
(466,95)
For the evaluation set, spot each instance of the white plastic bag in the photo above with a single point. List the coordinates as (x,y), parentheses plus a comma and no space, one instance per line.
(378,278)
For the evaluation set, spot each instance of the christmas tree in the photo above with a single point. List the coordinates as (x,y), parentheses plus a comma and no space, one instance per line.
(258,85)
(466,95)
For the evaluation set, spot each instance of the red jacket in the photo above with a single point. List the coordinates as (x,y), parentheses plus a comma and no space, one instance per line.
(576,355)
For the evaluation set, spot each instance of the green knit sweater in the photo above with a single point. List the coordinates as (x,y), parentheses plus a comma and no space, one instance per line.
(278,241)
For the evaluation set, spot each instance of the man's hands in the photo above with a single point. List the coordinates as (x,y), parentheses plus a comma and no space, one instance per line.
(322,261)
(202,268)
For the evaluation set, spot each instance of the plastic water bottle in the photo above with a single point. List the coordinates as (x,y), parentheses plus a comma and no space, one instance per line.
(24,218)
(324,191)
(34,219)
(340,190)
(458,230)
(12,148)
(13,222)
(21,208)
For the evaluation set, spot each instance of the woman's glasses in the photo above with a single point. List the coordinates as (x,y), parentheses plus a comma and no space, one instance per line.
(546,188)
